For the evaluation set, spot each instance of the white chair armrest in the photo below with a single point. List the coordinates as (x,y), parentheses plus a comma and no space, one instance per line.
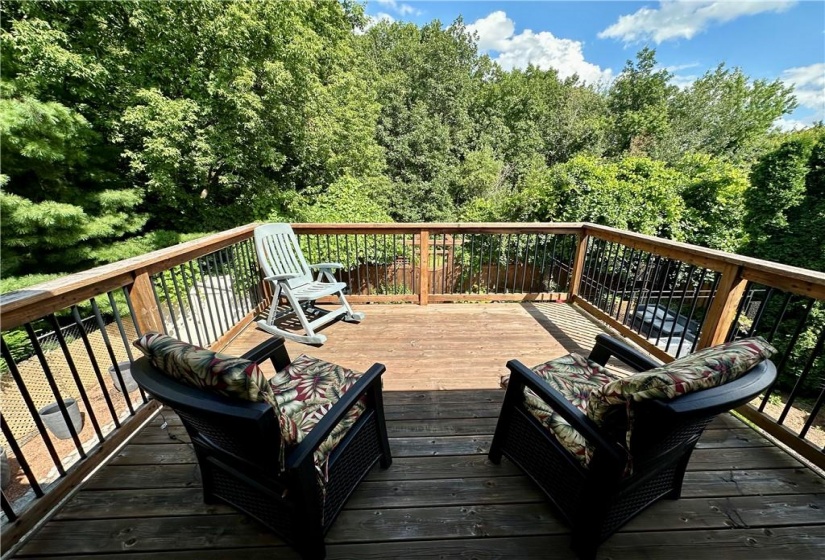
(279,277)
(326,265)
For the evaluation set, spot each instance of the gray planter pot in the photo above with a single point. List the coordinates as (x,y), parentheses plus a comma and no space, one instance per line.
(126,374)
(56,423)
(5,470)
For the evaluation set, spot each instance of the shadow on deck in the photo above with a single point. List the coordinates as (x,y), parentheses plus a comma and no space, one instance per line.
(742,498)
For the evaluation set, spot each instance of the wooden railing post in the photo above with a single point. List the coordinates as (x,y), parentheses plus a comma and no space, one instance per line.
(722,311)
(424,267)
(147,314)
(578,265)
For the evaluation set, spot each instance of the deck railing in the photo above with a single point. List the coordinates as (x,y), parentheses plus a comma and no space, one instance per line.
(68,398)
(670,298)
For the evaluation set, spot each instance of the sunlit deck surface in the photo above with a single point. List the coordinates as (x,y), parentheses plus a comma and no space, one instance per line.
(742,498)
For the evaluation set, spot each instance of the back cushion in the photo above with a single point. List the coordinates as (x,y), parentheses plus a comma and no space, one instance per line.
(205,369)
(704,369)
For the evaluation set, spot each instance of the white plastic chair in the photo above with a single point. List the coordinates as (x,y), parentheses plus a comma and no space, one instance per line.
(286,269)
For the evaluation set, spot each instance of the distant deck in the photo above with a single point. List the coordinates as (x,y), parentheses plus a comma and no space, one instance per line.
(743,497)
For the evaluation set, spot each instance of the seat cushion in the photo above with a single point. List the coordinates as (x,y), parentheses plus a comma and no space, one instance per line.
(304,392)
(575,377)
(205,369)
(707,368)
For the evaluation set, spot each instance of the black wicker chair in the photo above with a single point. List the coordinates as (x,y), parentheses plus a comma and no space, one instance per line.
(597,500)
(237,446)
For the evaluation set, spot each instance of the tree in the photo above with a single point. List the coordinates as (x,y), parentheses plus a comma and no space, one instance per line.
(713,191)
(781,199)
(213,123)
(425,78)
(725,114)
(639,104)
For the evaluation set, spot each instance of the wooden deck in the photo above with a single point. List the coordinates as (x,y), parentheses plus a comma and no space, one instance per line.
(743,497)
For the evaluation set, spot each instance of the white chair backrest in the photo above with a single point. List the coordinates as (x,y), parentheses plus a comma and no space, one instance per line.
(279,253)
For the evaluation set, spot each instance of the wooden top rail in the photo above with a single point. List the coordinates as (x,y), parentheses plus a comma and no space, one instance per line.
(22,306)
(445,227)
(788,278)
(31,303)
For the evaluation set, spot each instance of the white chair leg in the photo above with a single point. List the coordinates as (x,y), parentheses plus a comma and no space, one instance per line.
(299,312)
(351,316)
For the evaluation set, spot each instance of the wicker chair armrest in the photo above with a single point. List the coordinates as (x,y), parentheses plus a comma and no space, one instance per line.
(607,346)
(521,376)
(305,450)
(272,348)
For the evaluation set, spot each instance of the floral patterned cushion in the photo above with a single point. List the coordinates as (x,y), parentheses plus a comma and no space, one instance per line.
(303,392)
(204,369)
(575,377)
(704,369)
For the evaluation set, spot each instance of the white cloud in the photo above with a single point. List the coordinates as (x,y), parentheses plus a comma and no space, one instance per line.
(683,19)
(400,8)
(809,84)
(496,32)
(790,124)
(373,20)
(682,81)
(809,89)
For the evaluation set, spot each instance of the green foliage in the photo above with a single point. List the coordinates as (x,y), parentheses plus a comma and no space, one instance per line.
(783,206)
(726,115)
(634,193)
(117,133)
(346,200)
(714,193)
(639,101)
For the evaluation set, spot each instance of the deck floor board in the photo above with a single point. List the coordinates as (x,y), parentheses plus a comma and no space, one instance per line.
(743,497)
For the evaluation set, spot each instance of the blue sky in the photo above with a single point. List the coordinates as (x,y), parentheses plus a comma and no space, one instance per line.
(772,39)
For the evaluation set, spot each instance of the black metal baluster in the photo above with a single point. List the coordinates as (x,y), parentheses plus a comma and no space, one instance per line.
(21,457)
(217,294)
(601,281)
(64,412)
(24,392)
(626,270)
(658,298)
(61,341)
(182,272)
(377,262)
(618,264)
(126,344)
(717,276)
(231,298)
(169,305)
(691,270)
(179,305)
(780,368)
(254,273)
(239,265)
(809,364)
(550,280)
(102,327)
(158,306)
(695,300)
(490,266)
(7,509)
(632,303)
(214,337)
(782,311)
(506,261)
(814,411)
(95,366)
(761,312)
(358,266)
